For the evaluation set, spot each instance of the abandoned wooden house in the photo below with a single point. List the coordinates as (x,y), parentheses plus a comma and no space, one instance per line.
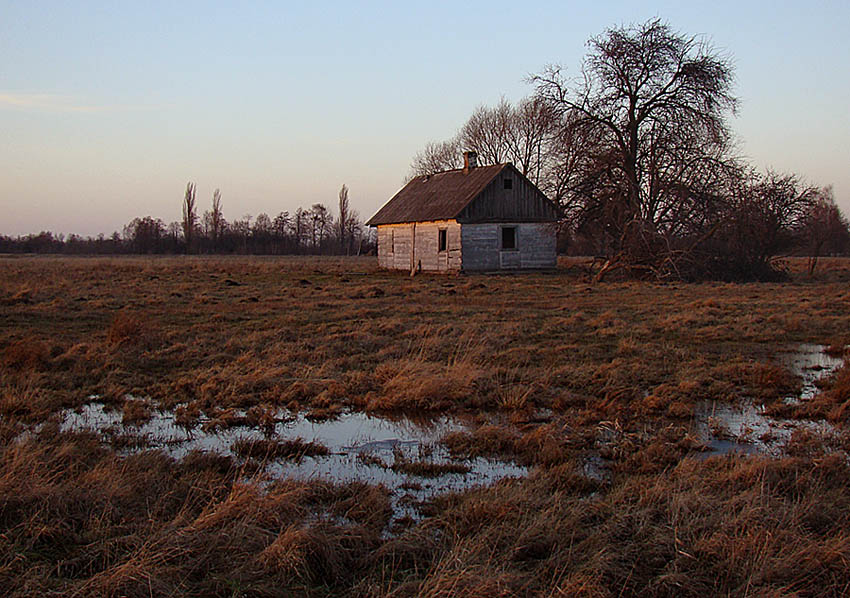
(474,218)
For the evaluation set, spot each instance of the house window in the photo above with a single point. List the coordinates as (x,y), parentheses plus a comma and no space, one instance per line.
(441,239)
(509,183)
(508,237)
(392,240)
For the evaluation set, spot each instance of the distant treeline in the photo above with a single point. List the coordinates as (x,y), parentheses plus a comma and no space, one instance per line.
(313,231)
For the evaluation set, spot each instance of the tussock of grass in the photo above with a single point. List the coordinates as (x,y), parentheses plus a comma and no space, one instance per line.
(27,354)
(222,419)
(546,444)
(135,412)
(81,521)
(187,416)
(294,448)
(837,349)
(126,328)
(721,527)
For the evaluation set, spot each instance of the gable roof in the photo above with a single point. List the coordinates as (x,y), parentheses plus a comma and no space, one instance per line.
(441,196)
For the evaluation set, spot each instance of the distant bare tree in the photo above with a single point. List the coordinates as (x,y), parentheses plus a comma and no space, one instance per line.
(486,132)
(824,229)
(174,231)
(145,234)
(321,223)
(190,217)
(342,223)
(505,133)
(519,134)
(281,226)
(531,137)
(216,218)
(437,156)
(262,224)
(241,230)
(262,233)
(353,231)
(298,228)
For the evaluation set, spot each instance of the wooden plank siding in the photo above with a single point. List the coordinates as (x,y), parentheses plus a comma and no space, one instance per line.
(523,202)
(396,241)
(469,246)
(535,246)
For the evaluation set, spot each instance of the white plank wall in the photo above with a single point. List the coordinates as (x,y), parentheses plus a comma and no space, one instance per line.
(470,246)
(394,246)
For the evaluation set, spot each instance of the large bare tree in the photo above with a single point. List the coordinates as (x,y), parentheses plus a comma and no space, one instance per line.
(637,151)
(652,105)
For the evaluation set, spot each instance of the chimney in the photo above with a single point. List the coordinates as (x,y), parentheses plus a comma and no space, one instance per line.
(470,161)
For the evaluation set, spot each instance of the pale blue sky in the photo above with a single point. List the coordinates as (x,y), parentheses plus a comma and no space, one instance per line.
(108,109)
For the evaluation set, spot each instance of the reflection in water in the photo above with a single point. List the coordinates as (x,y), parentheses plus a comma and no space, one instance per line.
(362,448)
(745,429)
(811,364)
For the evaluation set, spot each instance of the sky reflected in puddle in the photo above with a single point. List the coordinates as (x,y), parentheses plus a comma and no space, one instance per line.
(744,428)
(811,364)
(362,448)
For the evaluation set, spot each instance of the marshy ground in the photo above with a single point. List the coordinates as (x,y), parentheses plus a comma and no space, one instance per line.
(274,426)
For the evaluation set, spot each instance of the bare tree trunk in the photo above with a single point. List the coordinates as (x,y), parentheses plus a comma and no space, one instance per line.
(216,218)
(189,215)
(343,217)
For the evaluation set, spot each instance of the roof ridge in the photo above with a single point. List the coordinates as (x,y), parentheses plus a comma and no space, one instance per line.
(461,169)
(437,197)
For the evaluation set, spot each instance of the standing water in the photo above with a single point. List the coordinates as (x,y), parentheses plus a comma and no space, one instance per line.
(404,455)
(746,429)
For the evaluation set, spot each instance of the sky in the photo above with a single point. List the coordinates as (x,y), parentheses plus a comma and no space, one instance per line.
(108,109)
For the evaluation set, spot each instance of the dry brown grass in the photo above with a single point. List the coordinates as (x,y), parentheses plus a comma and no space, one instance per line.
(500,342)
(27,354)
(291,448)
(721,527)
(127,329)
(135,412)
(79,521)
(552,366)
(22,295)
(832,403)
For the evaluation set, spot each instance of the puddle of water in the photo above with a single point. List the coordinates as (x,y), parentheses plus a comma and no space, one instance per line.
(362,448)
(811,364)
(745,429)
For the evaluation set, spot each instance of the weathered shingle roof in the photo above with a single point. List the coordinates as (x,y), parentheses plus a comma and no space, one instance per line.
(440,196)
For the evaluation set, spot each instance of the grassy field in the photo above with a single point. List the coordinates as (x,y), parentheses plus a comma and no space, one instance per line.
(550,370)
